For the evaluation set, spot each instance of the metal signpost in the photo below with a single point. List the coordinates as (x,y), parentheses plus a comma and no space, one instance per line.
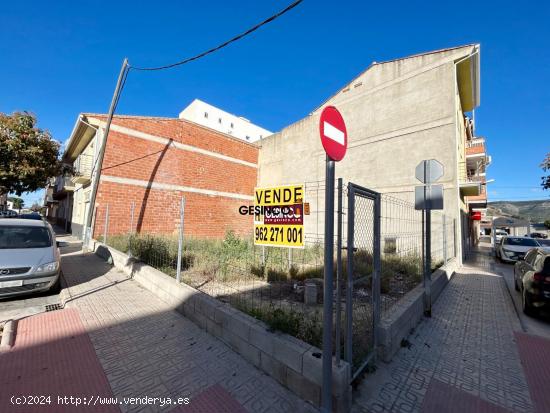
(335,142)
(428,197)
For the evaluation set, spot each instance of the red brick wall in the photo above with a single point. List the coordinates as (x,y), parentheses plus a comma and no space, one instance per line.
(157,210)
(475,150)
(205,216)
(190,133)
(135,158)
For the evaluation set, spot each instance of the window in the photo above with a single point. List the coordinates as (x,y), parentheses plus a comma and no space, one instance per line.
(19,237)
(232,124)
(206,115)
(530,257)
(521,242)
(546,266)
(538,262)
(247,137)
(220,120)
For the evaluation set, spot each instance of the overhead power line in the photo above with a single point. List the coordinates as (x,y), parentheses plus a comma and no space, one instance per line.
(118,92)
(224,44)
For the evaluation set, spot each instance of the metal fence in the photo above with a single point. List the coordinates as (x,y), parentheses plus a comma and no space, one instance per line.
(283,286)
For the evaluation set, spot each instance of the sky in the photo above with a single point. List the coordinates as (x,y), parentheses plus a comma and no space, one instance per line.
(58,59)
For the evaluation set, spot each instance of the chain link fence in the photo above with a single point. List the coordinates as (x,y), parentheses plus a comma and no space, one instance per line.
(284,286)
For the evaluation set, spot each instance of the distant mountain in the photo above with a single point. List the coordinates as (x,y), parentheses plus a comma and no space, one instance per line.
(537,211)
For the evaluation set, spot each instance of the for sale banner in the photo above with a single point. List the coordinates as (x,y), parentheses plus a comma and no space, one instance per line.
(279,216)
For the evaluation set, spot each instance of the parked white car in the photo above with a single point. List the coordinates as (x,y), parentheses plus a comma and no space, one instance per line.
(29,257)
(499,233)
(512,249)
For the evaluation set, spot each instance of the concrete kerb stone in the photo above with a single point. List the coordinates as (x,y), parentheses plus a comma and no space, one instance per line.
(313,371)
(303,387)
(8,335)
(407,313)
(274,368)
(287,359)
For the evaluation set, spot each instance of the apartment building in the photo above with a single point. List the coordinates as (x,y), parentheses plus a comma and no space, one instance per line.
(477,161)
(215,118)
(149,164)
(397,114)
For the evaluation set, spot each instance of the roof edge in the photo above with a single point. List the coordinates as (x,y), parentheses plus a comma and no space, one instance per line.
(374,63)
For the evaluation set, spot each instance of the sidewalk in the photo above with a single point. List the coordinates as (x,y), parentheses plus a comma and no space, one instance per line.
(147,349)
(465,358)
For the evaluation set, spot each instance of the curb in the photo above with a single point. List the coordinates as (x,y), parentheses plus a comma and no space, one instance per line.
(64,294)
(8,335)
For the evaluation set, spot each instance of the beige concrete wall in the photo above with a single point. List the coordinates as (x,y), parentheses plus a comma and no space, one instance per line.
(397,114)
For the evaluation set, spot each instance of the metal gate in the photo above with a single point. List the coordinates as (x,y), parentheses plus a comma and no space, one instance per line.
(362,312)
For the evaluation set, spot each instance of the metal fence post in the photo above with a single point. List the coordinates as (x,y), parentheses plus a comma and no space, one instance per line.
(444,240)
(428,264)
(377,272)
(180,239)
(132,217)
(289,258)
(454,237)
(349,270)
(106,226)
(338,327)
(131,231)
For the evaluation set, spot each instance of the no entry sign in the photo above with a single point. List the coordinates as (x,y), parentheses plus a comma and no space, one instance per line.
(334,136)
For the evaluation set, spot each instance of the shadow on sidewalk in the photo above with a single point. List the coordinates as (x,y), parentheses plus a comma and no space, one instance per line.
(134,347)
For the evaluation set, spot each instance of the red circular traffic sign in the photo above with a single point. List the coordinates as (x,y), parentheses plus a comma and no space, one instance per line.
(334,136)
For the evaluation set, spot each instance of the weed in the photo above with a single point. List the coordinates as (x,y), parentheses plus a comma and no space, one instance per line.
(293,272)
(276,275)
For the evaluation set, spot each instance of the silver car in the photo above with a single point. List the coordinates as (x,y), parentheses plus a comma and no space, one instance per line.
(29,257)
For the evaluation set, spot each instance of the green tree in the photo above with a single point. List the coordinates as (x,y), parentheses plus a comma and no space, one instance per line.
(28,155)
(17,202)
(547,223)
(545,165)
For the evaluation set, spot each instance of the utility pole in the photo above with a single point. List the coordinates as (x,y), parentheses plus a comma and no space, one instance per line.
(95,185)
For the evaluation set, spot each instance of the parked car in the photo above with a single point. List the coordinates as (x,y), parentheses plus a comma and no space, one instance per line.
(544,242)
(532,280)
(499,233)
(9,213)
(539,235)
(29,257)
(33,215)
(511,249)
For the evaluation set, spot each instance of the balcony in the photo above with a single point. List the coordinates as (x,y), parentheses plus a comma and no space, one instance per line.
(82,167)
(63,184)
(470,180)
(475,147)
(478,201)
(51,182)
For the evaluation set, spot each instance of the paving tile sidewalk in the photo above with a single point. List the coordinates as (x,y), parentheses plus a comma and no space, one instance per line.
(465,357)
(147,349)
(51,361)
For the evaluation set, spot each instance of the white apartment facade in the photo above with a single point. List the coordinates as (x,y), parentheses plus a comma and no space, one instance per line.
(215,118)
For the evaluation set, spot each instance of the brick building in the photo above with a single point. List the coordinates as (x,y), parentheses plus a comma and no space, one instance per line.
(149,164)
